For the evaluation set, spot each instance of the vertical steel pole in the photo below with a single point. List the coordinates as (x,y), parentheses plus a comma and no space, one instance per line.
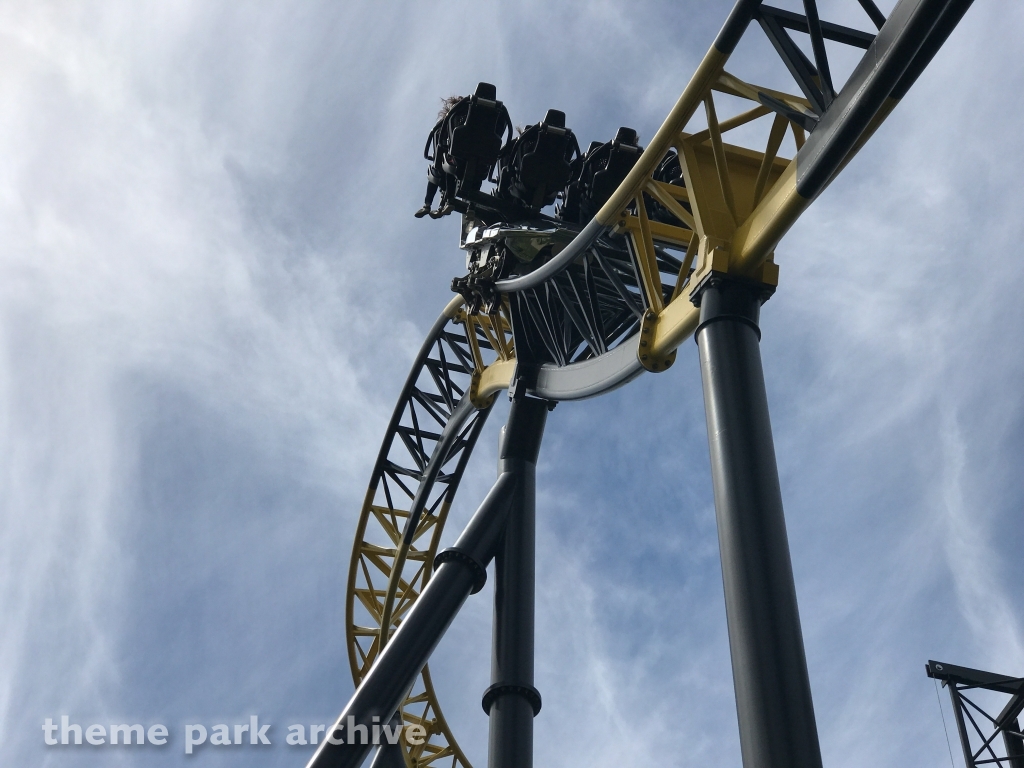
(773,691)
(1014,744)
(511,701)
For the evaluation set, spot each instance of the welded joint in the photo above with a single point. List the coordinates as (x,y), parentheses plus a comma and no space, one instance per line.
(729,318)
(461,556)
(528,692)
(715,263)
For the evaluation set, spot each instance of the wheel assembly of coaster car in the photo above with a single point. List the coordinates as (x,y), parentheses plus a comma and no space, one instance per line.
(494,252)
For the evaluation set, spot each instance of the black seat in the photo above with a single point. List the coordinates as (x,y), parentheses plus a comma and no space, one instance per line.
(598,174)
(622,154)
(540,164)
(463,147)
(476,137)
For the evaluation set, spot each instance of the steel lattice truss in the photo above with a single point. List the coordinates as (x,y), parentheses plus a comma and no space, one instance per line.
(421,462)
(981,741)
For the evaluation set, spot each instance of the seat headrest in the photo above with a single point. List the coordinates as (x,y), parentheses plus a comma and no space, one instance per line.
(555,118)
(626,136)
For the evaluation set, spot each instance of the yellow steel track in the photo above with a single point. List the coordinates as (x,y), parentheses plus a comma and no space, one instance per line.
(448,369)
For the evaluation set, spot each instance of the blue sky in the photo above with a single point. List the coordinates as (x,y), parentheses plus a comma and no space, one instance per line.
(212,285)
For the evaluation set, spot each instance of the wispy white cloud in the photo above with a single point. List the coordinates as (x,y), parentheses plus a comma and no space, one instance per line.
(210,285)
(974,562)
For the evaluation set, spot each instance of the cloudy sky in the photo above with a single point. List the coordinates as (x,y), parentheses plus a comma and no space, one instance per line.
(211,287)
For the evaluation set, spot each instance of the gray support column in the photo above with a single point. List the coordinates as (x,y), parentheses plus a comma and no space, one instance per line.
(511,701)
(460,571)
(773,692)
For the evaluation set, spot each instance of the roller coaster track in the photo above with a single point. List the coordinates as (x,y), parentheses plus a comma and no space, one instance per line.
(618,297)
(428,442)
